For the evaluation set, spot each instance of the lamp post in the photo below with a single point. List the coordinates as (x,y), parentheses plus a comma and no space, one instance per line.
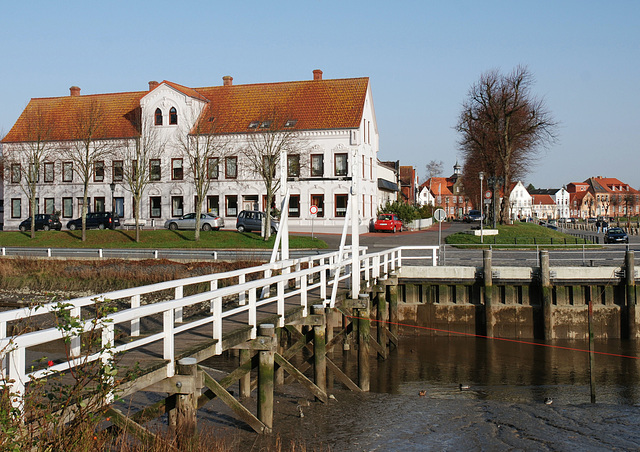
(112,185)
(481,175)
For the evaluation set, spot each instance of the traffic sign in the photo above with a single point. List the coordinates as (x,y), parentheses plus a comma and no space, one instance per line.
(487,194)
(313,210)
(439,214)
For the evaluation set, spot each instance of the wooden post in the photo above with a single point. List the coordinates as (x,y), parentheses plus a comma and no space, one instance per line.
(265,378)
(245,380)
(364,327)
(592,357)
(546,302)
(382,318)
(393,305)
(319,351)
(183,406)
(630,276)
(488,292)
(329,336)
(280,348)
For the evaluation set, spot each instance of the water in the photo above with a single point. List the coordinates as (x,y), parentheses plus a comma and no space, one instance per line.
(503,409)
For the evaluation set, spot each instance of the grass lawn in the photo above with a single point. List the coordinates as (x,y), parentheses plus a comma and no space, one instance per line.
(160,238)
(518,234)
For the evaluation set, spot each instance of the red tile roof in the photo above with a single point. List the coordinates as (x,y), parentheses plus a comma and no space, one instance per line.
(542,199)
(314,104)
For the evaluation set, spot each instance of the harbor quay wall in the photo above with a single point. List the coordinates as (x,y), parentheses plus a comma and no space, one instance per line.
(519,302)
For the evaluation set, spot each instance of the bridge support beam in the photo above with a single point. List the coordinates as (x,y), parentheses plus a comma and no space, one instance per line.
(393,307)
(328,312)
(488,292)
(266,376)
(245,380)
(547,299)
(364,327)
(382,317)
(320,350)
(183,405)
(632,314)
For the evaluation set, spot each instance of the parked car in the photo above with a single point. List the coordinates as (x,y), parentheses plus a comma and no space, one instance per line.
(251,220)
(96,220)
(616,235)
(44,221)
(473,215)
(388,222)
(208,221)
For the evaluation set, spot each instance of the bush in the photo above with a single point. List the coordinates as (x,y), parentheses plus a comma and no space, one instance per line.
(405,212)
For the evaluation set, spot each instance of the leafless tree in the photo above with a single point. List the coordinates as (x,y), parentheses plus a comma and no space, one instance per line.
(273,138)
(502,126)
(204,149)
(28,156)
(137,154)
(434,169)
(87,147)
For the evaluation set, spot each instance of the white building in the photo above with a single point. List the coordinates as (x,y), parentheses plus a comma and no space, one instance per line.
(520,202)
(560,208)
(335,119)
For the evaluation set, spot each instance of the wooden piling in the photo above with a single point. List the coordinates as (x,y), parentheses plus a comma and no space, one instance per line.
(488,292)
(279,379)
(319,350)
(266,376)
(329,337)
(631,295)
(183,405)
(393,305)
(364,327)
(382,317)
(245,380)
(546,302)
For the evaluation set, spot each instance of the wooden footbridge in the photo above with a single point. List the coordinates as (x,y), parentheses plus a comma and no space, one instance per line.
(165,330)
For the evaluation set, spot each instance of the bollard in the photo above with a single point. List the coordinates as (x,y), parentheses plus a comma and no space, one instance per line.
(546,302)
(488,292)
(320,351)
(265,377)
(245,380)
(182,413)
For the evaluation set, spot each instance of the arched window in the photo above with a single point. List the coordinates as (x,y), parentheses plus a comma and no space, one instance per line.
(158,117)
(173,116)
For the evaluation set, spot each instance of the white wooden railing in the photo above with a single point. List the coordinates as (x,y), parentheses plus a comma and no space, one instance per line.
(322,272)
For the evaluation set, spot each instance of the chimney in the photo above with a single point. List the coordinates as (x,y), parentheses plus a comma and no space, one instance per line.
(317,74)
(153,84)
(74,91)
(227,80)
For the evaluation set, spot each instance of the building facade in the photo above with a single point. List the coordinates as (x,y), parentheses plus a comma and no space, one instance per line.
(332,121)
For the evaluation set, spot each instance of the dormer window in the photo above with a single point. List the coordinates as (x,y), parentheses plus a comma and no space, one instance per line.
(290,122)
(254,124)
(173,116)
(265,124)
(158,117)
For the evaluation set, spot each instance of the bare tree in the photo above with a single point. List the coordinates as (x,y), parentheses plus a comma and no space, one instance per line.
(502,126)
(29,156)
(87,147)
(434,169)
(137,154)
(272,139)
(204,149)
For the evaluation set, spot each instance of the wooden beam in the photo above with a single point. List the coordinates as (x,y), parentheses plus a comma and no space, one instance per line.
(133,428)
(342,377)
(300,377)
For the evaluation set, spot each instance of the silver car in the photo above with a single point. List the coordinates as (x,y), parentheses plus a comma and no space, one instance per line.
(208,221)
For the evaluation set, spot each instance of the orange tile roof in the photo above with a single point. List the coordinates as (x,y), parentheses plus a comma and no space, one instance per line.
(315,104)
(542,199)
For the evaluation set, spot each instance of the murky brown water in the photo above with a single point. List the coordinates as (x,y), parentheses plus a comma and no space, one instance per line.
(503,409)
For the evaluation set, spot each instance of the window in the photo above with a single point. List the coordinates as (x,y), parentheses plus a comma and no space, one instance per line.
(155,204)
(318,201)
(265,124)
(67,172)
(173,116)
(212,167)
(371,168)
(363,167)
(231,167)
(317,165)
(98,171)
(67,207)
(294,206)
(119,206)
(117,172)
(231,203)
(341,205)
(177,206)
(33,175)
(154,170)
(213,204)
(15,173)
(290,122)
(341,164)
(176,169)
(48,172)
(49,205)
(293,165)
(98,204)
(16,208)
(158,117)
(254,124)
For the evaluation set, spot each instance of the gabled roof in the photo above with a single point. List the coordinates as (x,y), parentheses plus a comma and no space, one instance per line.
(542,199)
(439,186)
(312,104)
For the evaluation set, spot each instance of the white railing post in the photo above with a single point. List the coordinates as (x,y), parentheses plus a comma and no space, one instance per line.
(135,323)
(217,324)
(100,253)
(179,291)
(17,363)
(281,303)
(242,295)
(434,257)
(4,251)
(323,284)
(48,252)
(303,295)
(108,338)
(253,313)
(213,285)
(74,346)
(297,269)
(168,342)
(5,358)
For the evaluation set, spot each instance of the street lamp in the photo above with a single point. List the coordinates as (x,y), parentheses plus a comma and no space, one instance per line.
(481,175)
(112,186)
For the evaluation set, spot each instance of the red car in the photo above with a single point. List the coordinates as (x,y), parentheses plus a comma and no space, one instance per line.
(388,222)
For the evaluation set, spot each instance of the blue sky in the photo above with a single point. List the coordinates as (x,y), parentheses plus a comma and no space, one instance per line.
(421,57)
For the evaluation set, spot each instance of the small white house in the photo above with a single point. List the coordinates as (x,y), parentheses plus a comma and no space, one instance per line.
(520,202)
